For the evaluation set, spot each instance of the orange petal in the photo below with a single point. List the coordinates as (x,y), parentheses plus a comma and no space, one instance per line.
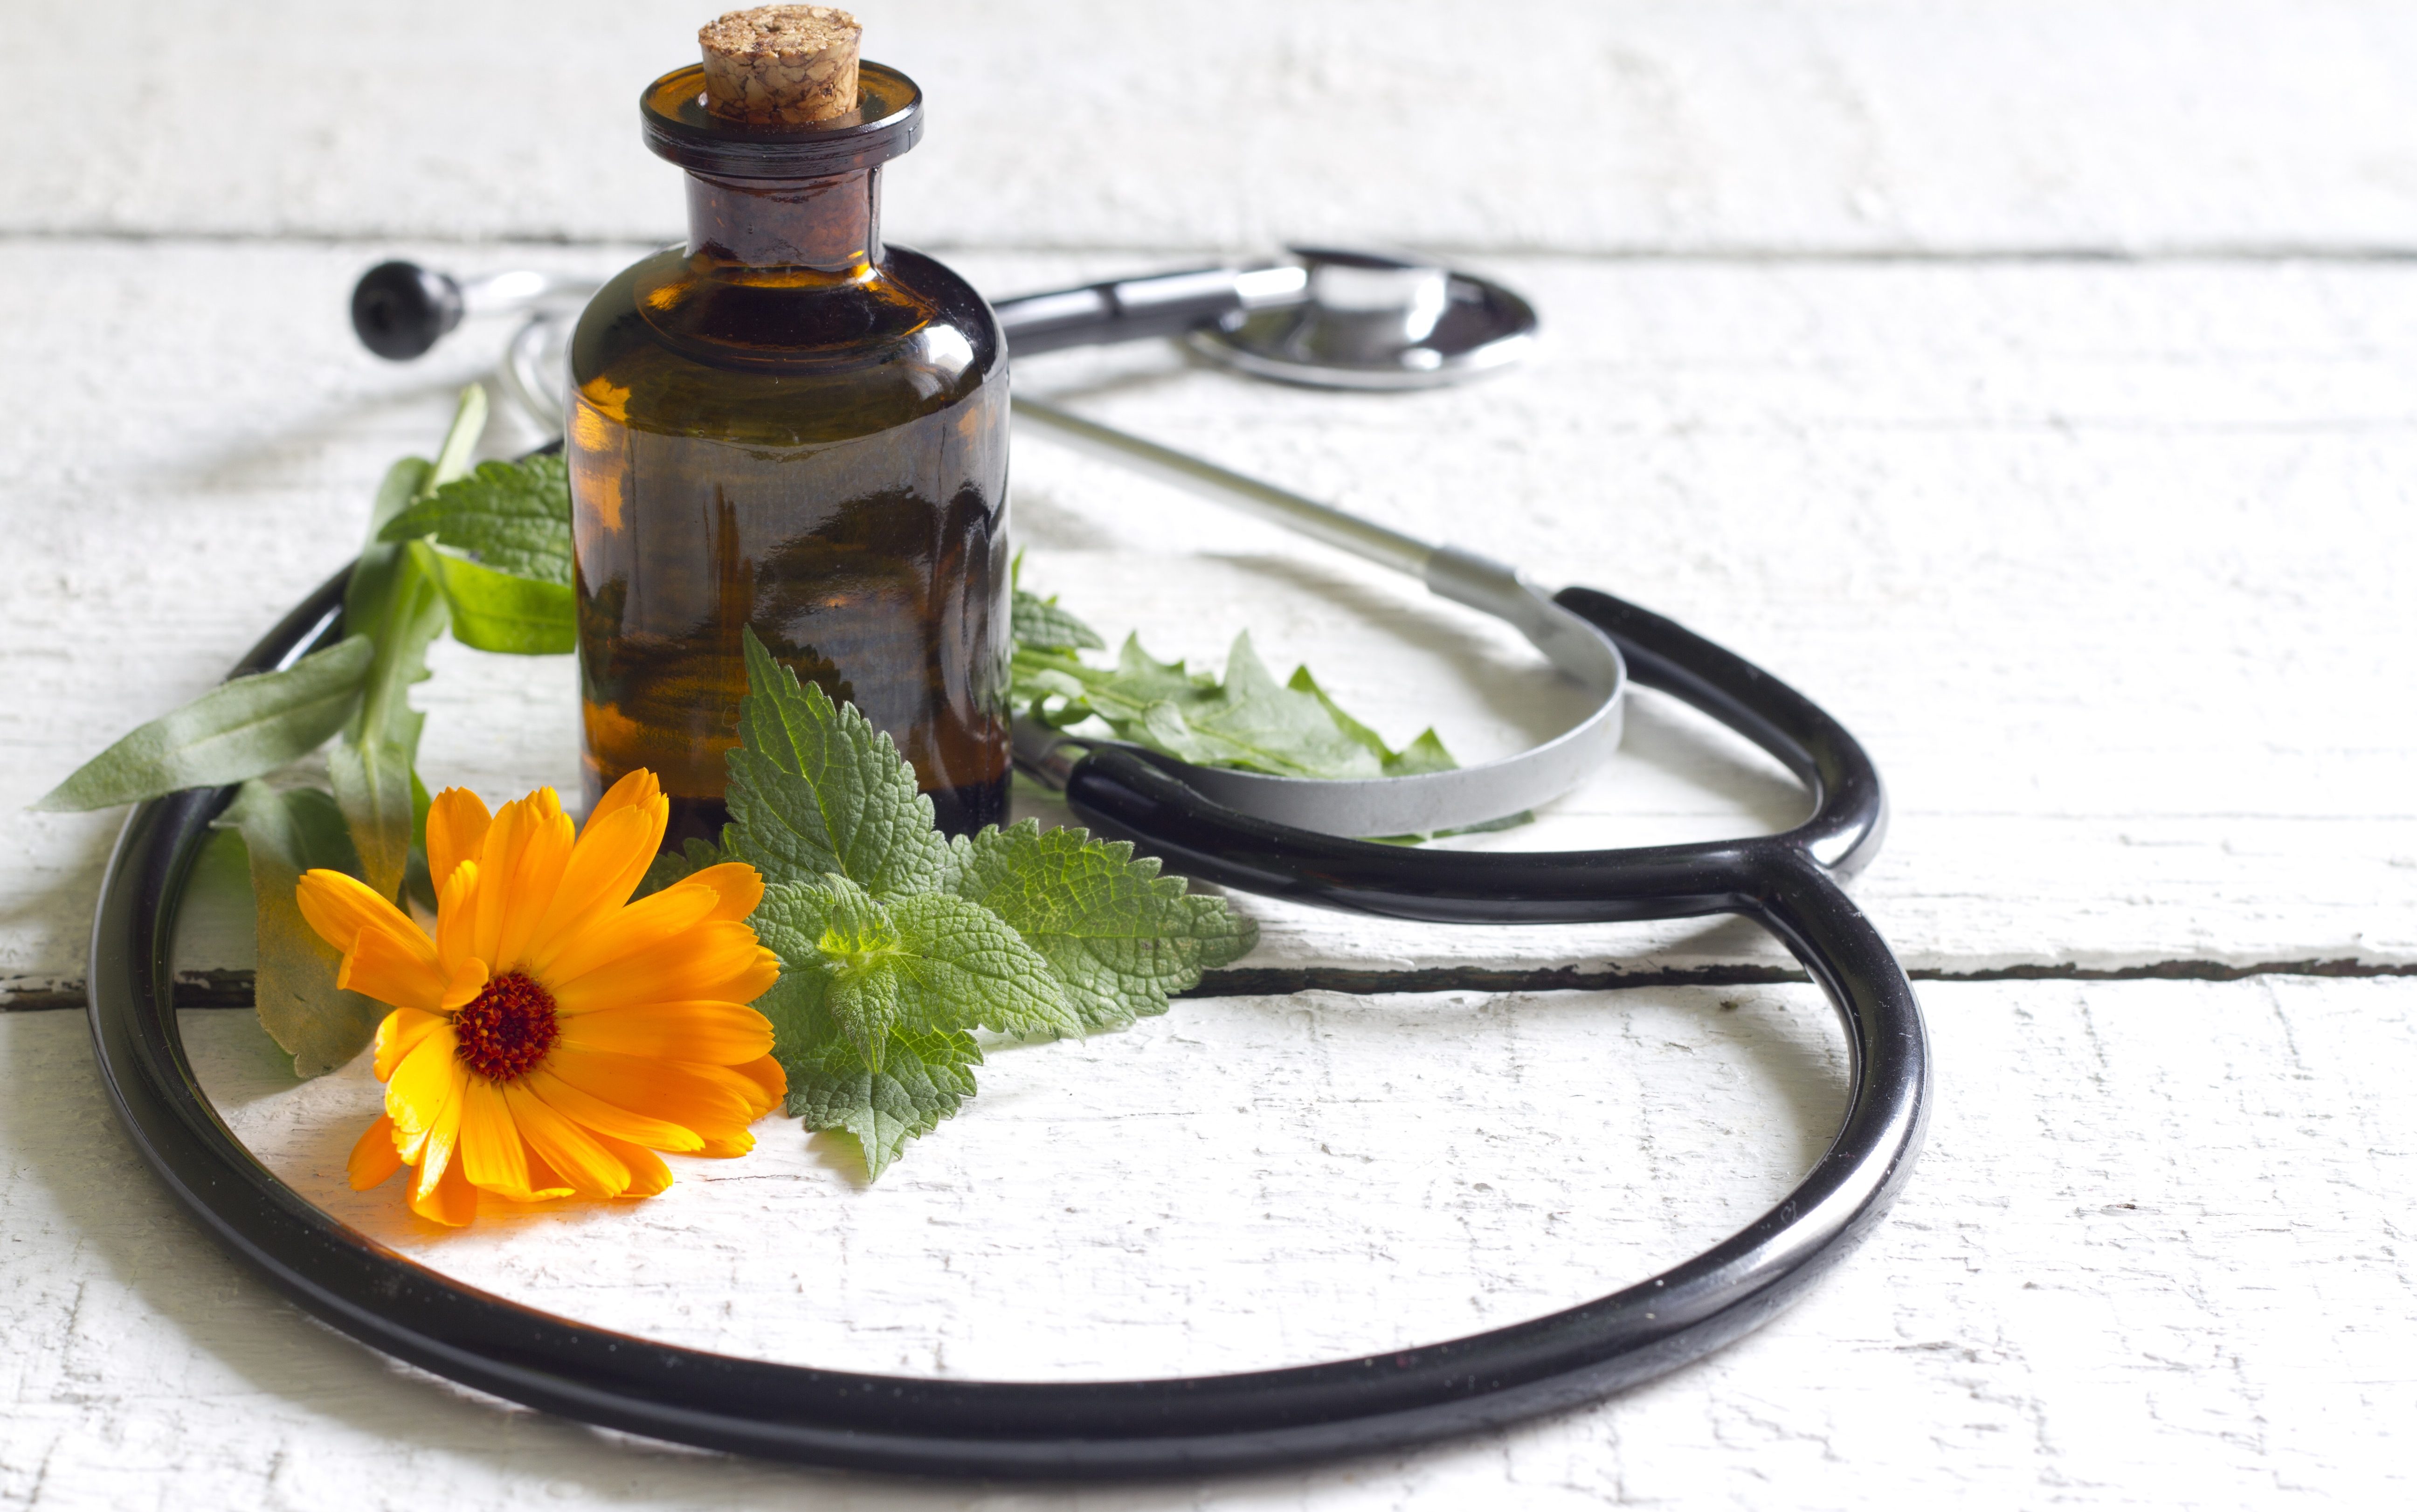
(682,1091)
(767,1075)
(716,961)
(606,865)
(341,908)
(622,933)
(729,1146)
(380,968)
(373,1158)
(468,980)
(457,828)
(425,1083)
(639,790)
(648,1173)
(521,864)
(457,917)
(583,1165)
(603,1115)
(492,1156)
(721,1033)
(437,1146)
(450,1199)
(399,1033)
(741,888)
(546,1182)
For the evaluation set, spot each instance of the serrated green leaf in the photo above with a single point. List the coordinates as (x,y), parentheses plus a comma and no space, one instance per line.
(923,1079)
(294,993)
(496,611)
(1039,624)
(923,963)
(815,788)
(241,728)
(514,517)
(1248,721)
(1119,936)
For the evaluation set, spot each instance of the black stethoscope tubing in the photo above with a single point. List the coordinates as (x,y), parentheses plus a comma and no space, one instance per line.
(1105,1429)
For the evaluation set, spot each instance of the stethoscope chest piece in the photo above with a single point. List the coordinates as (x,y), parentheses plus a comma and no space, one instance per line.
(1376,321)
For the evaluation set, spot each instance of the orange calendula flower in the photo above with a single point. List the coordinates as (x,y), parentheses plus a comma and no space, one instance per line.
(553,1036)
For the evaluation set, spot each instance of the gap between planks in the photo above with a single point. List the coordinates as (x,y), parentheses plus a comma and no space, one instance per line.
(232,987)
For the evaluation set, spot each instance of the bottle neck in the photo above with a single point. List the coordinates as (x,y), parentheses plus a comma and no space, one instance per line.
(827,226)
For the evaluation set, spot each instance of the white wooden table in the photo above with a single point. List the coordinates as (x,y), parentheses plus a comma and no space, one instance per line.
(2035,384)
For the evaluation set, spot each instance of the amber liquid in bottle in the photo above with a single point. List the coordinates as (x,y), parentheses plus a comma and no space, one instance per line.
(785,426)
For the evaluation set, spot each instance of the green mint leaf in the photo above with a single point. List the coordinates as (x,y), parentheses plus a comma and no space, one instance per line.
(1119,936)
(924,963)
(513,517)
(923,1078)
(815,788)
(492,610)
(1249,721)
(1425,754)
(241,728)
(693,856)
(295,991)
(1038,622)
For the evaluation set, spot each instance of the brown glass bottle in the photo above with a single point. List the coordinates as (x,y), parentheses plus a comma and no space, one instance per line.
(787,425)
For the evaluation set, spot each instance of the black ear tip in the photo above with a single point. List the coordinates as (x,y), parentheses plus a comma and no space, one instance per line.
(401,308)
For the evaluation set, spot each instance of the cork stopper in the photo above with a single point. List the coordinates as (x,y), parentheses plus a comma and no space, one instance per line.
(780,65)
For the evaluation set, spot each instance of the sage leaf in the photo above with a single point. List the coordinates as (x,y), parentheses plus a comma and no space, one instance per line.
(242,728)
(371,767)
(294,993)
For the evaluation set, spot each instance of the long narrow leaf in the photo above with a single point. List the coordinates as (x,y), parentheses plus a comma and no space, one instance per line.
(371,767)
(240,729)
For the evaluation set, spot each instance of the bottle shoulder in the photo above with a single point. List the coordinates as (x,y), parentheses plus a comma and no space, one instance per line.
(779,357)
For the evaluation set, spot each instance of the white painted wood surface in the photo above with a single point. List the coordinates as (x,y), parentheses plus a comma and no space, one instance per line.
(2165,1265)
(1738,126)
(2107,560)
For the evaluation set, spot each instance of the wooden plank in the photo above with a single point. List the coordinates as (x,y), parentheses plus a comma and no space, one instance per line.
(2106,564)
(2003,125)
(2151,1256)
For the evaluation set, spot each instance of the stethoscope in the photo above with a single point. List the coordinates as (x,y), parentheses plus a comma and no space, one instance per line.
(1319,317)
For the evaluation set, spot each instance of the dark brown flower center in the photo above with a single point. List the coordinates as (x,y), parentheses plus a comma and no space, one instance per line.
(507,1029)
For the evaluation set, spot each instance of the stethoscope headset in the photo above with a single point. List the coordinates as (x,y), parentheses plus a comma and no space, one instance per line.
(1323,317)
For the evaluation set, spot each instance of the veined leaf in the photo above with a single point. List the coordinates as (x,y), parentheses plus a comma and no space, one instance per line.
(241,728)
(294,993)
(923,1078)
(815,788)
(923,963)
(496,611)
(511,516)
(1120,937)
